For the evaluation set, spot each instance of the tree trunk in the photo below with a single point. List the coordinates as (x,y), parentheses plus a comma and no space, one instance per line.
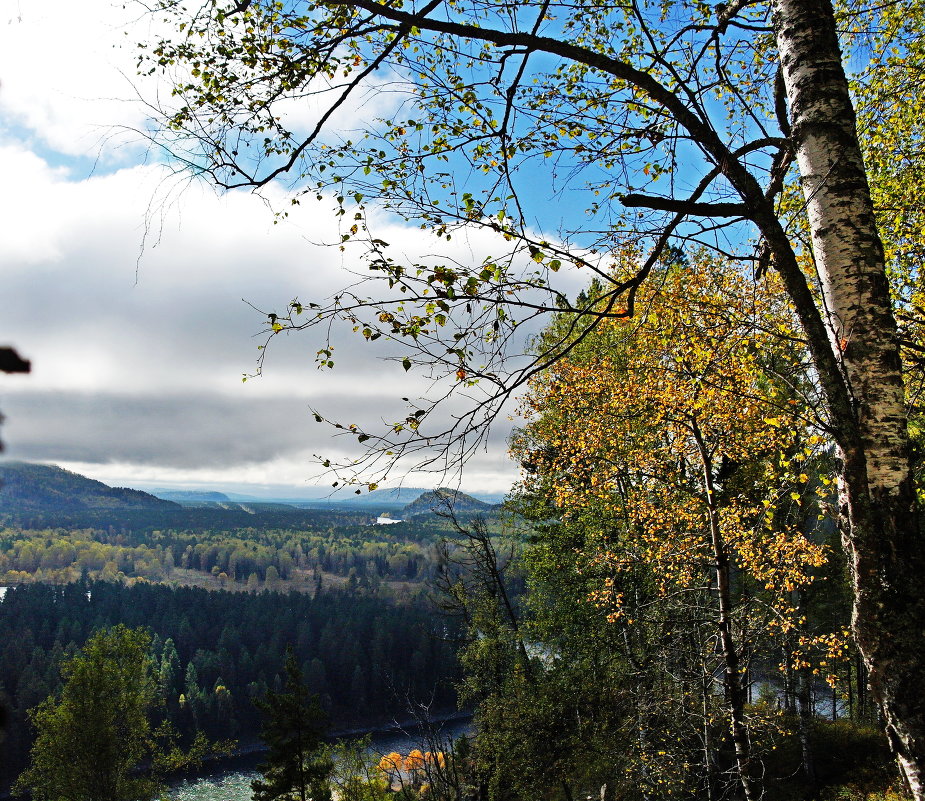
(706,690)
(881,533)
(850,685)
(732,672)
(804,723)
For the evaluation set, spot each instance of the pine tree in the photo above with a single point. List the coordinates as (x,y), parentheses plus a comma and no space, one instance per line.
(297,765)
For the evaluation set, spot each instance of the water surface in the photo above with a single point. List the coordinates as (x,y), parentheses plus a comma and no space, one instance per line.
(232,782)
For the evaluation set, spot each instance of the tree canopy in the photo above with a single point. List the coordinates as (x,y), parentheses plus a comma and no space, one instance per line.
(690,495)
(96,741)
(293,730)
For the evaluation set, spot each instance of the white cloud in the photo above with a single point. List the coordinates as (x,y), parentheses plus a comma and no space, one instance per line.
(137,361)
(67,71)
(69,78)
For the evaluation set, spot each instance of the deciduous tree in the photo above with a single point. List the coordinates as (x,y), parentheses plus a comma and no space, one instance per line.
(676,430)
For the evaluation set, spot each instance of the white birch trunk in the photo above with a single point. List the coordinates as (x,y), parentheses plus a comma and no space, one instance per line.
(882,534)
(846,245)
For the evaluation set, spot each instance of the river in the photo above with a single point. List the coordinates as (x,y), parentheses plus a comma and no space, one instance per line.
(232,782)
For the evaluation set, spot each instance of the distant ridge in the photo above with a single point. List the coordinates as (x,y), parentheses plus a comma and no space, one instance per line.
(25,486)
(191,495)
(393,497)
(443,500)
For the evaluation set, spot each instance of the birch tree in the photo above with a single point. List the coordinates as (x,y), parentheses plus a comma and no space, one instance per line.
(95,740)
(680,423)
(670,121)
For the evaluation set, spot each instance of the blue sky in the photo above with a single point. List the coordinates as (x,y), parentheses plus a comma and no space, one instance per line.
(124,287)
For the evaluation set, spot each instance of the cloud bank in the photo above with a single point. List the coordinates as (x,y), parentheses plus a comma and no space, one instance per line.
(132,290)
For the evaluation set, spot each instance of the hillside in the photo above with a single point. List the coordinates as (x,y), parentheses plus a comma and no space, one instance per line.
(444,500)
(25,487)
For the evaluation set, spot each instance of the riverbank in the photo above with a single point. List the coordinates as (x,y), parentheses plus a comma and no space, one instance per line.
(248,756)
(229,779)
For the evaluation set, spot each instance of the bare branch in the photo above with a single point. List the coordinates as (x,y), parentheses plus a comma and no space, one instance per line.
(686,207)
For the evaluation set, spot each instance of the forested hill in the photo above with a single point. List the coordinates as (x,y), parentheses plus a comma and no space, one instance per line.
(36,496)
(27,487)
(444,500)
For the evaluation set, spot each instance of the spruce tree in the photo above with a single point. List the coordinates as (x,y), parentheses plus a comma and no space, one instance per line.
(297,765)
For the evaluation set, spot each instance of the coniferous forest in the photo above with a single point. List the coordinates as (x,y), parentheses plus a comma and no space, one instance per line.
(223,594)
(216,652)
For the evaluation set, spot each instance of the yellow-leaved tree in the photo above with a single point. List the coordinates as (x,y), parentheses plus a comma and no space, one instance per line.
(690,429)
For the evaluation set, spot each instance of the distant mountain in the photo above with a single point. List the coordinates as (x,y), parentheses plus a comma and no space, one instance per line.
(397,499)
(441,500)
(43,487)
(494,498)
(182,496)
(211,499)
(397,496)
(387,499)
(383,500)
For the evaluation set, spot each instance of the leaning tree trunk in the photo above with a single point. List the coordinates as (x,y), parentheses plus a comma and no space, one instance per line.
(881,533)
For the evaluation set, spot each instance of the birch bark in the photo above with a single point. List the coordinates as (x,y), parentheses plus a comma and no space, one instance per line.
(881,532)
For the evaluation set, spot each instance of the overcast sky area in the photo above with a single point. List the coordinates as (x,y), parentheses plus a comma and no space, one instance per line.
(126,293)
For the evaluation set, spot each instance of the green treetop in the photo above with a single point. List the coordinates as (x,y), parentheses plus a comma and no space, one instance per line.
(95,741)
(293,727)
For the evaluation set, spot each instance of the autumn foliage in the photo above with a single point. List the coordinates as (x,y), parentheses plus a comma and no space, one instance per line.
(706,380)
(684,443)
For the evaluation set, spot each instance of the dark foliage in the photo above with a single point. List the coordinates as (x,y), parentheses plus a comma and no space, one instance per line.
(293,729)
(218,651)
